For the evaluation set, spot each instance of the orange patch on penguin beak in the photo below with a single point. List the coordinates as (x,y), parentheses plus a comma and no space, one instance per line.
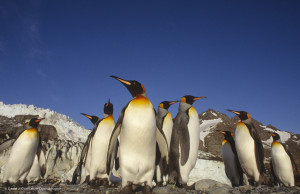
(39,120)
(173,102)
(198,98)
(123,81)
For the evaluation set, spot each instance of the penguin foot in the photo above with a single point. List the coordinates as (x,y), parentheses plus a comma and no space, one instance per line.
(87,179)
(105,182)
(7,184)
(159,184)
(92,182)
(128,188)
(147,189)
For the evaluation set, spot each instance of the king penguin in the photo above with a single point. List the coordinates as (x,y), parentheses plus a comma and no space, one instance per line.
(164,119)
(233,168)
(249,148)
(138,136)
(23,152)
(184,141)
(85,157)
(282,162)
(99,147)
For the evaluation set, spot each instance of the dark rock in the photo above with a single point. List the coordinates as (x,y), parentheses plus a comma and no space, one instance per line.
(208,185)
(47,132)
(23,118)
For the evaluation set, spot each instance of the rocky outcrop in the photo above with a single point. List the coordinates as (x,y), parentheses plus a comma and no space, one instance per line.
(212,120)
(61,155)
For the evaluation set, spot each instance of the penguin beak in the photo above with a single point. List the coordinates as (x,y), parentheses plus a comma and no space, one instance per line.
(173,102)
(88,116)
(273,135)
(125,82)
(235,112)
(198,98)
(39,120)
(221,131)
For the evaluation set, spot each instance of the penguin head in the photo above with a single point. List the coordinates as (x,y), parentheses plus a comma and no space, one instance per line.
(134,87)
(190,99)
(243,115)
(35,122)
(227,134)
(275,136)
(108,108)
(166,104)
(93,119)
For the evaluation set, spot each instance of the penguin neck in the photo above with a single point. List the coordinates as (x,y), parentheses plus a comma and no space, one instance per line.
(277,141)
(105,115)
(183,106)
(162,112)
(139,95)
(247,121)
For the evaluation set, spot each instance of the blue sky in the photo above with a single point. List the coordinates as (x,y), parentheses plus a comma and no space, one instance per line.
(242,55)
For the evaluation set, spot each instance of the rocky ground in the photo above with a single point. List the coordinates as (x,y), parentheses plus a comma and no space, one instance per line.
(203,186)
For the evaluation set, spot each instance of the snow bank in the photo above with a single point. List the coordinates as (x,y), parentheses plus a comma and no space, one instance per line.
(206,126)
(208,169)
(284,136)
(66,128)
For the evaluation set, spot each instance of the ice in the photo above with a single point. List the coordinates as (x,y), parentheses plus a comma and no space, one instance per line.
(66,128)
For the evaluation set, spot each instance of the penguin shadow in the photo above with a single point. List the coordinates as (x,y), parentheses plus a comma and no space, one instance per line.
(136,188)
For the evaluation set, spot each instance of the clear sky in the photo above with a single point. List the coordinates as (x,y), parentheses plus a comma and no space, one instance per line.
(242,55)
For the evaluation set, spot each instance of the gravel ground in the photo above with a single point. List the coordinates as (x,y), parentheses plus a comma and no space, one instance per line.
(203,186)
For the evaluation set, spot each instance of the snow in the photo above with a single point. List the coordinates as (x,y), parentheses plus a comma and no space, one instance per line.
(214,114)
(284,136)
(206,126)
(66,128)
(208,169)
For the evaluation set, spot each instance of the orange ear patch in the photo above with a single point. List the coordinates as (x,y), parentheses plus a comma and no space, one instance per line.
(224,141)
(161,105)
(183,99)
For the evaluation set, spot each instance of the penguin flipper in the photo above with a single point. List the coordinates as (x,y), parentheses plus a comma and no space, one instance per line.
(273,173)
(180,125)
(77,172)
(113,140)
(292,159)
(41,158)
(259,150)
(238,164)
(9,142)
(162,145)
(117,164)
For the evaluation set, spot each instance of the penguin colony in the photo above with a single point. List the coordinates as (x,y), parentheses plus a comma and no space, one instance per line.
(146,146)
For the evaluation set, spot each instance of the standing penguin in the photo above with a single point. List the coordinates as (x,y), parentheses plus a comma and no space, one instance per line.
(165,120)
(233,168)
(99,147)
(85,156)
(249,148)
(138,135)
(23,152)
(184,141)
(282,162)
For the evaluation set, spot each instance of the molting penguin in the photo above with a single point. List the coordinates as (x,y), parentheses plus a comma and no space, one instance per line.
(165,120)
(184,141)
(233,168)
(85,157)
(249,148)
(282,162)
(138,136)
(24,149)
